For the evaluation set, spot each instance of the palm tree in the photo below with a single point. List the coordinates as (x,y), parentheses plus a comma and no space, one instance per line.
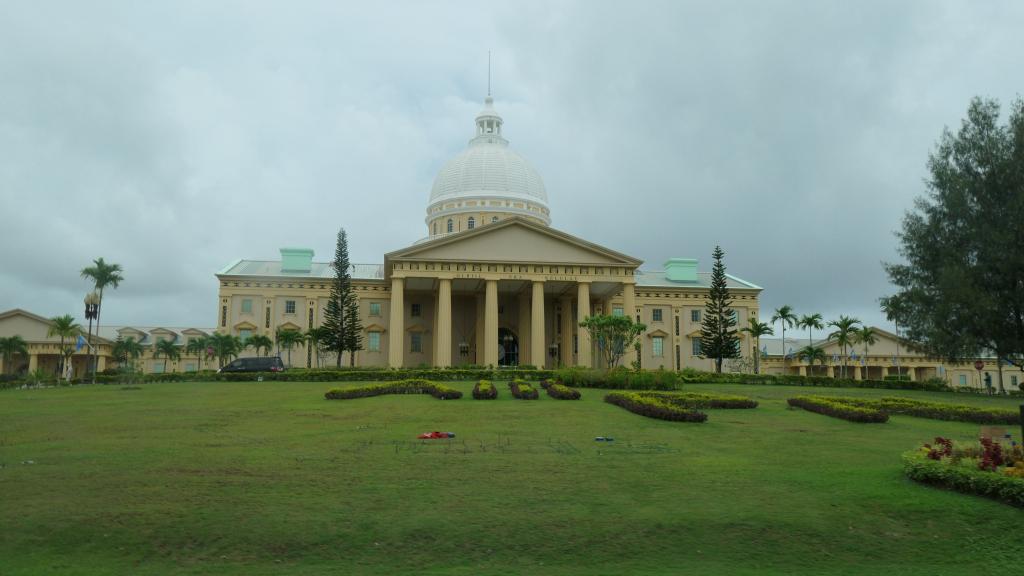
(261,343)
(10,347)
(756,330)
(845,330)
(810,353)
(810,321)
(788,317)
(865,336)
(127,348)
(197,347)
(289,339)
(893,310)
(65,327)
(225,347)
(102,275)
(168,349)
(316,338)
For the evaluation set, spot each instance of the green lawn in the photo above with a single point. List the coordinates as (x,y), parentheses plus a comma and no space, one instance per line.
(270,478)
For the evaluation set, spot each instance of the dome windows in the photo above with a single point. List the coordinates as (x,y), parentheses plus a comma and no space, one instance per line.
(471,223)
(451,226)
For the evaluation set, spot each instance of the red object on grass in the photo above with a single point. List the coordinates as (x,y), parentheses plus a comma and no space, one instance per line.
(435,435)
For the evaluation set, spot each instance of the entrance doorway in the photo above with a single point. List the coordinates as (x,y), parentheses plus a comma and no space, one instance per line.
(508,348)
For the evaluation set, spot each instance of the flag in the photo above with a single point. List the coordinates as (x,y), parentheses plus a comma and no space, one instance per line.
(79,343)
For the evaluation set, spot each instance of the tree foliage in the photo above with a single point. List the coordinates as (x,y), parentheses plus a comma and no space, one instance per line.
(344,330)
(960,290)
(756,330)
(718,338)
(614,335)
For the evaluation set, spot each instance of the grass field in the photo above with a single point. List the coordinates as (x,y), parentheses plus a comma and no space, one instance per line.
(270,478)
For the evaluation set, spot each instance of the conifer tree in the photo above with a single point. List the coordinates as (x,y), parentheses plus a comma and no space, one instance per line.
(353,325)
(336,338)
(718,338)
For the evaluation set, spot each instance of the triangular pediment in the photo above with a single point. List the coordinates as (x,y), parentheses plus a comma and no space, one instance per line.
(515,240)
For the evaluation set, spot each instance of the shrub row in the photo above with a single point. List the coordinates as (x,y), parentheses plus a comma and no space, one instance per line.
(944,411)
(838,408)
(523,390)
(703,400)
(918,467)
(689,376)
(439,391)
(619,379)
(484,390)
(561,391)
(654,407)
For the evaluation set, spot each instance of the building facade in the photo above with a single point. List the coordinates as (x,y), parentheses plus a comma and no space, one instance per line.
(492,283)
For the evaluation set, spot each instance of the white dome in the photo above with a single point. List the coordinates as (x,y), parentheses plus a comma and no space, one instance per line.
(488,170)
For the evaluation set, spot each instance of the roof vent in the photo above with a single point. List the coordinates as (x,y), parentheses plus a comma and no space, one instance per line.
(298,260)
(681,269)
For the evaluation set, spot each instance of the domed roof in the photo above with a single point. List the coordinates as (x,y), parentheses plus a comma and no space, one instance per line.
(488,168)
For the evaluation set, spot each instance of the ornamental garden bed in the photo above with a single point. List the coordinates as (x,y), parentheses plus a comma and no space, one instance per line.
(838,408)
(654,407)
(439,391)
(485,390)
(523,390)
(704,400)
(868,410)
(987,469)
(560,391)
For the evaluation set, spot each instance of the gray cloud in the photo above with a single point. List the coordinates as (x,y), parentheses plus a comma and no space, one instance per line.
(173,139)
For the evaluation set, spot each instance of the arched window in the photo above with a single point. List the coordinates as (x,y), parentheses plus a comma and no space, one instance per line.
(451,226)
(494,219)
(472,223)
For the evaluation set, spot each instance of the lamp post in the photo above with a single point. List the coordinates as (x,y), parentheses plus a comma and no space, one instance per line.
(92,308)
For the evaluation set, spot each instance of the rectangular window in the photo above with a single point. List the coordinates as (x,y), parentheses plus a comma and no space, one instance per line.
(416,342)
(694,315)
(617,311)
(266,321)
(679,364)
(656,315)
(374,308)
(658,346)
(963,380)
(158,367)
(575,344)
(735,314)
(695,347)
(190,367)
(1013,381)
(289,306)
(223,316)
(247,306)
(415,310)
(245,334)
(373,342)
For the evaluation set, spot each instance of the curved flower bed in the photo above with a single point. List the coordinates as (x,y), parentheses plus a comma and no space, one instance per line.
(654,407)
(704,400)
(561,391)
(920,409)
(523,390)
(987,470)
(439,391)
(484,390)
(837,408)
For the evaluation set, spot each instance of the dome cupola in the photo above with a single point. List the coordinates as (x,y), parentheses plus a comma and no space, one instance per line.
(485,183)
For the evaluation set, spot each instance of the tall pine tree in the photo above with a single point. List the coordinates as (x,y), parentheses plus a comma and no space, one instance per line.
(353,324)
(336,338)
(718,338)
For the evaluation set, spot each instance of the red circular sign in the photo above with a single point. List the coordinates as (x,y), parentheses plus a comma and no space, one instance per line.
(978,364)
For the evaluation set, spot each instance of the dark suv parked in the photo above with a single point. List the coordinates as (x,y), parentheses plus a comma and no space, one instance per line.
(261,364)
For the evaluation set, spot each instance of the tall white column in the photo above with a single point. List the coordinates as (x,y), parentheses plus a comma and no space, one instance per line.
(629,309)
(565,346)
(582,312)
(523,328)
(537,354)
(491,323)
(444,324)
(396,323)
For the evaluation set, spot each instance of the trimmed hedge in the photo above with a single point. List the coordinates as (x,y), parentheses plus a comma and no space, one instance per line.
(918,467)
(952,412)
(654,407)
(703,400)
(838,408)
(619,379)
(439,391)
(523,390)
(696,377)
(561,391)
(484,390)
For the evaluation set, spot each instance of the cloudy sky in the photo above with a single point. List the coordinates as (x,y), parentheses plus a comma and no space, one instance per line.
(174,139)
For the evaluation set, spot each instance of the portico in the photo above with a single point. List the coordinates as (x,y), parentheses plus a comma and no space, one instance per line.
(486,305)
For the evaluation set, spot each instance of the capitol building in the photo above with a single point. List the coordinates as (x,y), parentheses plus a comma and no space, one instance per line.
(492,283)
